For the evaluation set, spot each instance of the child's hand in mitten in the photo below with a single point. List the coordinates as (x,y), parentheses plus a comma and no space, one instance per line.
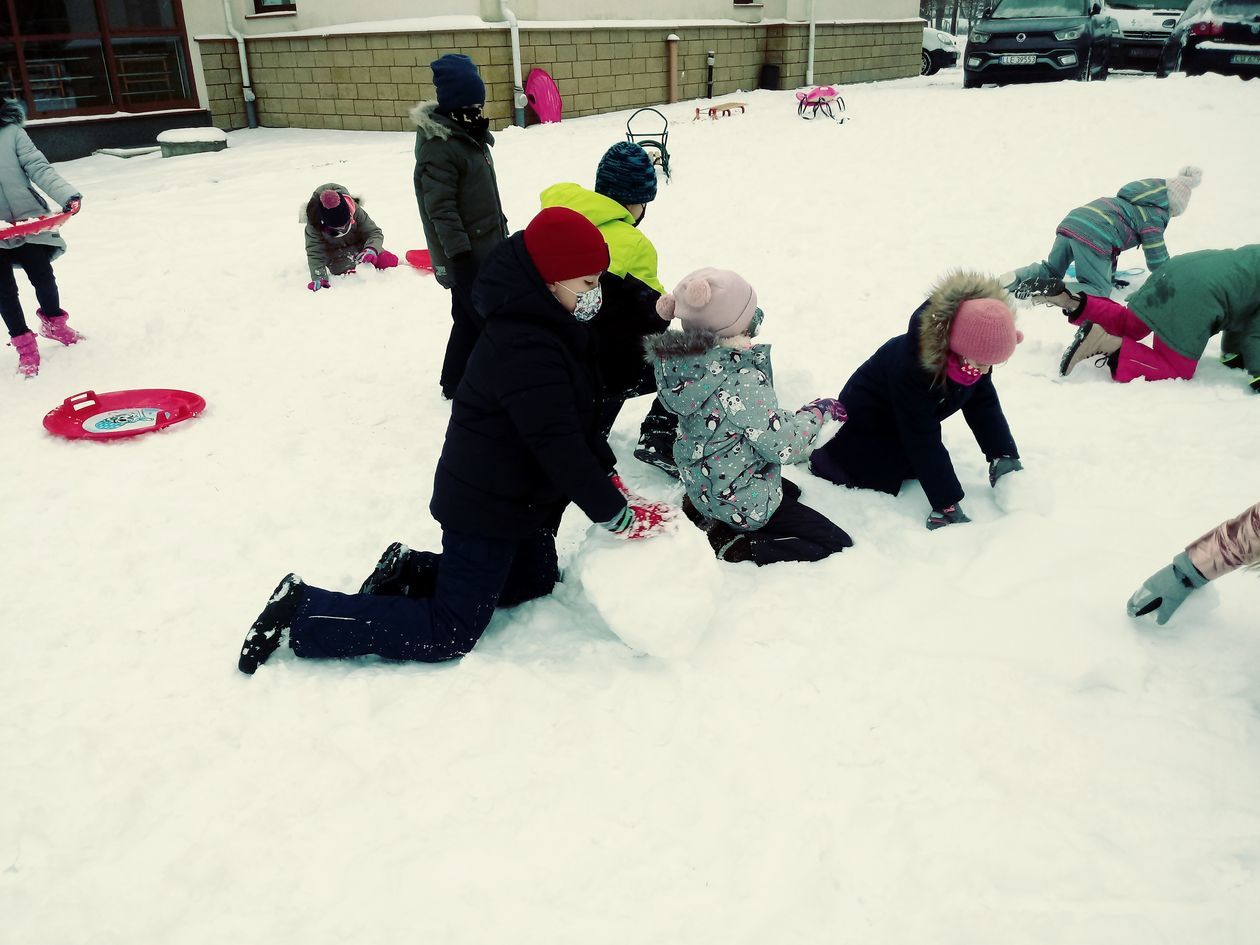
(316,284)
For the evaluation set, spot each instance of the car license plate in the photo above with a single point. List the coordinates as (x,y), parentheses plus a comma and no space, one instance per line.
(1244,60)
(1021,60)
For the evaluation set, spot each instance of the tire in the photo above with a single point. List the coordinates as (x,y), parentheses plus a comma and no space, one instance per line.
(926,66)
(1086,74)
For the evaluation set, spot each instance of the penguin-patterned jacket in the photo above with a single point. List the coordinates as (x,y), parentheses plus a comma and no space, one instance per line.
(732,434)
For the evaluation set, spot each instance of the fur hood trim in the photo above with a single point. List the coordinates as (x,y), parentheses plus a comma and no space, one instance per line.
(937,315)
(12,112)
(691,341)
(422,113)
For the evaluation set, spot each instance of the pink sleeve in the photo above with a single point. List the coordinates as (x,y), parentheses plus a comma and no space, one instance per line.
(1229,546)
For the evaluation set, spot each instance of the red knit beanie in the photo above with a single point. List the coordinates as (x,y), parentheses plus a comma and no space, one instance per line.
(984,331)
(564,245)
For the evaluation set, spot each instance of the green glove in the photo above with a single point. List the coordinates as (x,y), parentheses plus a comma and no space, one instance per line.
(1166,590)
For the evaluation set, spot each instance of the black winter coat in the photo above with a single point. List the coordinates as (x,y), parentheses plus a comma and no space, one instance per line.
(627,316)
(896,404)
(524,436)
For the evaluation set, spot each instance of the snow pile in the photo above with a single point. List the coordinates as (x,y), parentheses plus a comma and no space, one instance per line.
(679,567)
(205,135)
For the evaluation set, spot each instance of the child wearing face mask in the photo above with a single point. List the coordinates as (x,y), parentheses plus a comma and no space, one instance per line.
(897,400)
(340,236)
(733,437)
(522,443)
(625,184)
(458,197)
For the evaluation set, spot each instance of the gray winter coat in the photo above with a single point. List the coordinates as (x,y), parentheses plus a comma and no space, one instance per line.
(21,165)
(732,434)
(456,190)
(337,253)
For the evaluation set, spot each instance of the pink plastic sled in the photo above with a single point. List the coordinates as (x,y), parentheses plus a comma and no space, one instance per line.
(36,225)
(420,259)
(120,413)
(544,97)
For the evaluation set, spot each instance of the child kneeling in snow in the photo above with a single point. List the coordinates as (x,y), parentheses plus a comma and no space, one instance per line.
(339,236)
(732,435)
(898,398)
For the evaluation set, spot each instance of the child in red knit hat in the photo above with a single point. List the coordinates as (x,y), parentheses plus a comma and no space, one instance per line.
(340,236)
(897,400)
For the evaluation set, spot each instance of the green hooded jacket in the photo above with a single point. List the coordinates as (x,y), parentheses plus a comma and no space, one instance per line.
(630,252)
(733,436)
(1196,295)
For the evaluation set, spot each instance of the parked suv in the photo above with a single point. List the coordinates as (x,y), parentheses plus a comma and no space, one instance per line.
(1031,40)
(1142,27)
(1214,36)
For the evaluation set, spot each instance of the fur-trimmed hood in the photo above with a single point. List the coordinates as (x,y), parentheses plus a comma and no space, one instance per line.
(669,345)
(430,124)
(936,315)
(12,112)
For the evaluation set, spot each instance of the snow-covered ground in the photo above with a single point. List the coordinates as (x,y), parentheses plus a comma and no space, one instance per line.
(954,738)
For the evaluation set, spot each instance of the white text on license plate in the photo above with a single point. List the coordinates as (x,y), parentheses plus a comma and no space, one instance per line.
(1244,60)
(1025,60)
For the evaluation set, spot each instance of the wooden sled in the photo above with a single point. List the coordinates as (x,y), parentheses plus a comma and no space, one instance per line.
(721,110)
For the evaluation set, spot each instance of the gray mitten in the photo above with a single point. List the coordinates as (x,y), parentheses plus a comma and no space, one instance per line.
(1166,590)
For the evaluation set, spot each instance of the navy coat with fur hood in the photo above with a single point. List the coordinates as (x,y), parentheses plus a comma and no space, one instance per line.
(21,165)
(898,398)
(456,190)
(524,437)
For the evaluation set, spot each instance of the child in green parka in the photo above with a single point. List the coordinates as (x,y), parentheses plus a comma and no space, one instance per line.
(1194,297)
(340,236)
(733,437)
(1094,236)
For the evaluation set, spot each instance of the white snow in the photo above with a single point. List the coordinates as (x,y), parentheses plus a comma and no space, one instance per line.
(188,135)
(947,738)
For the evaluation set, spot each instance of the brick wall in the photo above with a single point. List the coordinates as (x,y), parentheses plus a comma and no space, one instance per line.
(370,82)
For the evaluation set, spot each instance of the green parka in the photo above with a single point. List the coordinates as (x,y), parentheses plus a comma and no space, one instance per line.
(456,190)
(337,253)
(1196,295)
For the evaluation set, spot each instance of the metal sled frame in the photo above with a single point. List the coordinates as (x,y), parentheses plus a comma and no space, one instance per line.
(810,105)
(651,139)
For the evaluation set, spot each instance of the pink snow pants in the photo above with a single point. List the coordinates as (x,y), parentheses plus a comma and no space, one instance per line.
(1155,363)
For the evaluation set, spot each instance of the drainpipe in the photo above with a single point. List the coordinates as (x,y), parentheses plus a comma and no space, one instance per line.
(671,66)
(809,66)
(711,59)
(251,116)
(518,85)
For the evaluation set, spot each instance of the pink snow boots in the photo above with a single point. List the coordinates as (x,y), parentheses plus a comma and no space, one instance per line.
(55,327)
(28,353)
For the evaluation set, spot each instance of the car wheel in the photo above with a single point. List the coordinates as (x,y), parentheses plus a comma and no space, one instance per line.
(926,67)
(1086,75)
(1104,71)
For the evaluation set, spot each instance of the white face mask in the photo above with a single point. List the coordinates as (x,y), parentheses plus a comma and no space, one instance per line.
(588,302)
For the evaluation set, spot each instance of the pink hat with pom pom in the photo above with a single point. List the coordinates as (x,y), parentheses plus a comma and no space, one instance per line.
(1179,188)
(983,331)
(716,300)
(335,209)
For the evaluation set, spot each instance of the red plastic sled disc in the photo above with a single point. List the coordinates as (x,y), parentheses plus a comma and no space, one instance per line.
(119,413)
(420,259)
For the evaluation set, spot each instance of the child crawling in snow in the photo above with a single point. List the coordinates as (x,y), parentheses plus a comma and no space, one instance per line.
(339,236)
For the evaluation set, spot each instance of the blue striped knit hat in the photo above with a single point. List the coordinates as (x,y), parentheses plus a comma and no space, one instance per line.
(626,175)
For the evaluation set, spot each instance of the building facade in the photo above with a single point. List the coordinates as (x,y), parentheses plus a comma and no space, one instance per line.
(97,73)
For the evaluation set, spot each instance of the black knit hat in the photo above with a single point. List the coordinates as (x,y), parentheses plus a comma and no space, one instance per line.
(626,175)
(457,82)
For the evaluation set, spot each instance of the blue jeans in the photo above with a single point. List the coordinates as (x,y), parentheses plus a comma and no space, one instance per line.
(473,574)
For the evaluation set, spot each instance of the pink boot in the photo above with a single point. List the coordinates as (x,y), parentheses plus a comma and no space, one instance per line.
(28,353)
(56,328)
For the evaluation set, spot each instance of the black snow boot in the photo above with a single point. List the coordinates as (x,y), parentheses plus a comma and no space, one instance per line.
(275,620)
(402,572)
(657,449)
(1027,288)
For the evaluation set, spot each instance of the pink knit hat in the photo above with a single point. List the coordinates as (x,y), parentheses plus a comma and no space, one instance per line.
(984,331)
(717,300)
(1179,188)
